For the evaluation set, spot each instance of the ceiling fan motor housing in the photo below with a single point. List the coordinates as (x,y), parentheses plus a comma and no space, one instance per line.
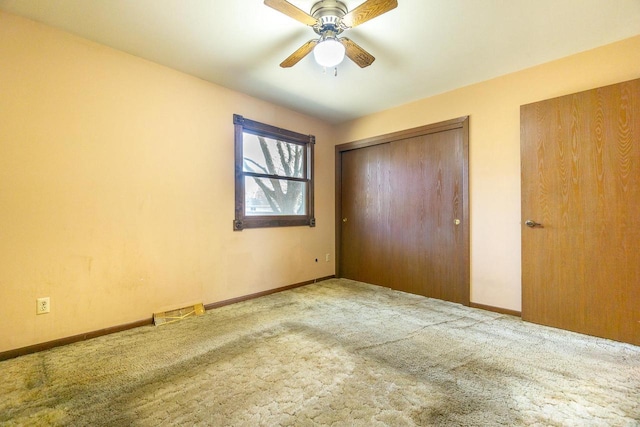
(329,14)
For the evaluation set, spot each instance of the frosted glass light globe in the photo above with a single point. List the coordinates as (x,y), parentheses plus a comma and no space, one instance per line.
(329,52)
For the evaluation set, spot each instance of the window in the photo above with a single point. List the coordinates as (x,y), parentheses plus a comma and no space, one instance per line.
(274,176)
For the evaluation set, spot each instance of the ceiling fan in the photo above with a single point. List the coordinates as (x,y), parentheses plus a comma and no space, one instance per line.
(329,18)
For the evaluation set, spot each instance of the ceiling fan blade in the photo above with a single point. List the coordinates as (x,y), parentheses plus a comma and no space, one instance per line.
(296,56)
(368,10)
(291,11)
(356,53)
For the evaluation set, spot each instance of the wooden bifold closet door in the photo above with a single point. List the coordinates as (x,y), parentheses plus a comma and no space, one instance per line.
(580,159)
(403,210)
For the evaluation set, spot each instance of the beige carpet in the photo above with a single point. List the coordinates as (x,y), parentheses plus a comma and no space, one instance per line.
(334,353)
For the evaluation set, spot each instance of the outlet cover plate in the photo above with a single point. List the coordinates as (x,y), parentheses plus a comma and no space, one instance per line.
(43,305)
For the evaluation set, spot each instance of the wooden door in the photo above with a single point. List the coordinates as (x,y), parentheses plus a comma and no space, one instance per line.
(580,157)
(366,214)
(403,211)
(427,241)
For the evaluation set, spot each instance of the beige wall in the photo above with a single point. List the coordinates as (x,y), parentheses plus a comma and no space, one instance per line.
(117,190)
(494,110)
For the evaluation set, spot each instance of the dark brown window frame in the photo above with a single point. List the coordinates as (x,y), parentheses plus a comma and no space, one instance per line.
(242,221)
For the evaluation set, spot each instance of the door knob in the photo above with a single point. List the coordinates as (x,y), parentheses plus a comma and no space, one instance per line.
(344,219)
(532,224)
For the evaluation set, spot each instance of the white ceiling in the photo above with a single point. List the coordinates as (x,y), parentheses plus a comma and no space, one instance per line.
(422,48)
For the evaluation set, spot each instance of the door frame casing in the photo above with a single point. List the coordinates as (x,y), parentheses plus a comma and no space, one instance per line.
(458,123)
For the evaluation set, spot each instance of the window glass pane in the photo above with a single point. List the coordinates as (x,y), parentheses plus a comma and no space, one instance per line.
(264,196)
(271,157)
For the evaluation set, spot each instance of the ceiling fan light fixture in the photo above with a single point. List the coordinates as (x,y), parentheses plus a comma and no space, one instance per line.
(329,52)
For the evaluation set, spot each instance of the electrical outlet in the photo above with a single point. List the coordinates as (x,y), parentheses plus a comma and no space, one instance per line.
(43,305)
(327,257)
